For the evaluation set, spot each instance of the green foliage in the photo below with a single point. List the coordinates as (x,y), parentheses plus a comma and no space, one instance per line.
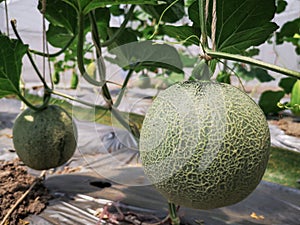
(74,81)
(181,33)
(146,54)
(224,77)
(11,54)
(287,84)
(253,72)
(175,13)
(240,24)
(268,101)
(239,28)
(290,32)
(56,77)
(281,6)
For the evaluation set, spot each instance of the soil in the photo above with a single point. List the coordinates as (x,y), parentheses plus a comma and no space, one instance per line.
(289,125)
(14,181)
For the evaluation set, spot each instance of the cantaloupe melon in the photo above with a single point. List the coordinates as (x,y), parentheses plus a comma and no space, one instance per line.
(204,144)
(44,139)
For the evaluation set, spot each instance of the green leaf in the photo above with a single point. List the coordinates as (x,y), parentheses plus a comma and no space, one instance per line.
(224,77)
(262,75)
(181,33)
(116,10)
(251,52)
(281,6)
(58,36)
(201,71)
(128,35)
(102,19)
(11,54)
(63,22)
(193,13)
(243,73)
(287,84)
(60,14)
(243,23)
(289,29)
(85,6)
(146,54)
(290,32)
(268,101)
(173,14)
(253,72)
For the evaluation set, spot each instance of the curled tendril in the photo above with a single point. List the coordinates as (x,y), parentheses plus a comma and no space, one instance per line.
(287,105)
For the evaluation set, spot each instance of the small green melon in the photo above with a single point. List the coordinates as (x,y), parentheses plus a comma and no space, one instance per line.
(204,144)
(44,139)
(295,98)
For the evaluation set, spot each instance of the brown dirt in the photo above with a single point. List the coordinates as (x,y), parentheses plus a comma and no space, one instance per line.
(14,181)
(289,126)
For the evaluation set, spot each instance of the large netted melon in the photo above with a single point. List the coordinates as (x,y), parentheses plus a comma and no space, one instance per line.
(44,139)
(204,145)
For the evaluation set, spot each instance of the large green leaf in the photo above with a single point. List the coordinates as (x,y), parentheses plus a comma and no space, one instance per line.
(63,22)
(146,54)
(128,35)
(58,36)
(243,23)
(240,23)
(85,6)
(11,54)
(60,14)
(102,16)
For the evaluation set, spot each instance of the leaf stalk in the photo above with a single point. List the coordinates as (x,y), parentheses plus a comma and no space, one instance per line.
(255,62)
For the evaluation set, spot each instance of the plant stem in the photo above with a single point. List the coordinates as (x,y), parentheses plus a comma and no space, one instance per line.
(13,24)
(6,17)
(23,99)
(175,220)
(100,61)
(130,126)
(248,60)
(202,15)
(46,94)
(76,100)
(121,28)
(118,101)
(80,53)
(80,43)
(56,53)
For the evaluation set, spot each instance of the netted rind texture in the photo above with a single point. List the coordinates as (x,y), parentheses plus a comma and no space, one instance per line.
(44,139)
(204,145)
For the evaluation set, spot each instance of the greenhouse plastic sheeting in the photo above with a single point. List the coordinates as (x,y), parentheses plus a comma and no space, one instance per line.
(110,171)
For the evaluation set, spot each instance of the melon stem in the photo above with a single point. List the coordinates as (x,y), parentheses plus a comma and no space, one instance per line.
(175,220)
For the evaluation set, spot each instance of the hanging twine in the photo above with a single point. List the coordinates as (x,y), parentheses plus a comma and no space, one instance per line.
(214,25)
